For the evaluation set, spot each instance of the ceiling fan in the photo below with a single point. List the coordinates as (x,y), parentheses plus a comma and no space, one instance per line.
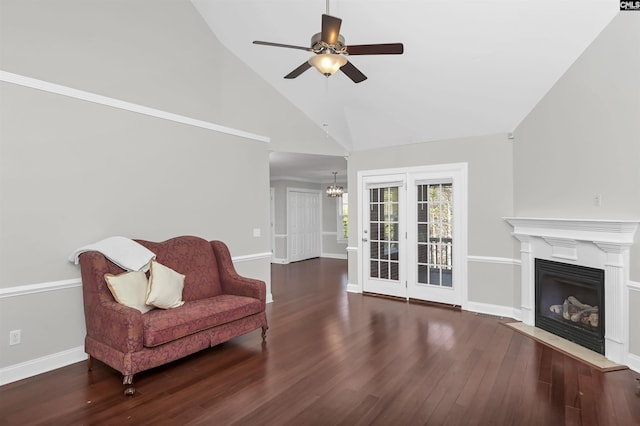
(331,51)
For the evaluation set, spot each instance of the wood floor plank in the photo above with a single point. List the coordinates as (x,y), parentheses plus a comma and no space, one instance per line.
(338,358)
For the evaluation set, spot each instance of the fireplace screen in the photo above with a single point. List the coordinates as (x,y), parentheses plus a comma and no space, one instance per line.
(570,302)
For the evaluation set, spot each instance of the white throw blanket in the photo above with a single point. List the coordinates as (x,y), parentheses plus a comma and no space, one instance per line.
(122,251)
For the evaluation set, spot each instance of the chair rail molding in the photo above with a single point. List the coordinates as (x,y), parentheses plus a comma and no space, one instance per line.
(58,89)
(26,289)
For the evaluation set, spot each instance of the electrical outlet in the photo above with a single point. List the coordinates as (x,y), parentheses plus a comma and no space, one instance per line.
(14,337)
(597,200)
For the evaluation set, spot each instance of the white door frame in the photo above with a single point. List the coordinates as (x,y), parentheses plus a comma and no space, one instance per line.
(458,172)
(272,221)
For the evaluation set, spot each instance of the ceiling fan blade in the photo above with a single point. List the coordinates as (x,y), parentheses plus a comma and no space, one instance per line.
(330,29)
(353,73)
(289,46)
(376,49)
(302,68)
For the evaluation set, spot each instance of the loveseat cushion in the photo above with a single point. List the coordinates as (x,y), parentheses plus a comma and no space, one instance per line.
(162,326)
(194,258)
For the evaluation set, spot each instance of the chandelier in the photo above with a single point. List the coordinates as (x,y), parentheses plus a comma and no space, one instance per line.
(334,190)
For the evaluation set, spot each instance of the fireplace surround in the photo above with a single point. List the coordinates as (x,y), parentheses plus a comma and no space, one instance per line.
(599,244)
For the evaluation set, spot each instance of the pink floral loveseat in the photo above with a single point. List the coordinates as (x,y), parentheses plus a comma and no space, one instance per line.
(219,305)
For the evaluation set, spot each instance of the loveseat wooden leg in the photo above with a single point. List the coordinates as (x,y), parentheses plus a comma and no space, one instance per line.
(89,363)
(264,333)
(128,381)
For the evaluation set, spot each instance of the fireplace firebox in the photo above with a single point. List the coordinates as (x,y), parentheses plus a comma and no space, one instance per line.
(569,302)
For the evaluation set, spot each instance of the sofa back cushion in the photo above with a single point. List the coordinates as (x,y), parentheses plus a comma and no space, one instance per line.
(193,257)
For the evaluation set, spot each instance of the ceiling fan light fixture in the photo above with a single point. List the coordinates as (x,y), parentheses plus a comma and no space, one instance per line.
(327,63)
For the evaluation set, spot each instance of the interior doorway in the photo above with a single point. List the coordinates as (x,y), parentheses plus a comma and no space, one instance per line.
(305,172)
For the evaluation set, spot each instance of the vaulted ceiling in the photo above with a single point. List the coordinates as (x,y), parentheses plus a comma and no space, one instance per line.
(469,68)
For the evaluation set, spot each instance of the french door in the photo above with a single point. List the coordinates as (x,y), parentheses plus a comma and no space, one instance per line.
(432,242)
(413,234)
(383,236)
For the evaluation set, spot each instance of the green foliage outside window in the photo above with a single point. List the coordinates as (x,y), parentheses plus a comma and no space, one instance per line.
(343,217)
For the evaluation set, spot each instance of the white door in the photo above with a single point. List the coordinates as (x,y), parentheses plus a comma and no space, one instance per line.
(383,236)
(432,242)
(303,224)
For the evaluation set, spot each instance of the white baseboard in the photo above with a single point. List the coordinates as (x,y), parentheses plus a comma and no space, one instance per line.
(31,368)
(633,362)
(280,261)
(249,257)
(334,256)
(495,310)
(353,288)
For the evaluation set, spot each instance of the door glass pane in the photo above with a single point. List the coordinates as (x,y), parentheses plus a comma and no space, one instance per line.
(422,253)
(393,251)
(434,244)
(373,213)
(384,232)
(393,272)
(374,251)
(374,269)
(384,270)
(374,231)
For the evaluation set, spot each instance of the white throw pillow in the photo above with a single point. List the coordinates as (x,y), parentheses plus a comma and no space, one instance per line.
(129,289)
(165,287)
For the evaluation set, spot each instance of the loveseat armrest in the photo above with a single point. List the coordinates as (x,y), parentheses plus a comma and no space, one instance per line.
(231,282)
(106,320)
(118,326)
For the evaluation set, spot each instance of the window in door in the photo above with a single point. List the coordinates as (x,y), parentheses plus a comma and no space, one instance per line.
(435,248)
(384,238)
(343,217)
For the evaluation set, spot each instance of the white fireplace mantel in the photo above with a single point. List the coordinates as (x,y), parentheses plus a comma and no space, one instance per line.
(602,244)
(593,230)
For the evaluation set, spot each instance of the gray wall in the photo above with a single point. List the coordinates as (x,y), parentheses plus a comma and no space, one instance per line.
(73,172)
(490,180)
(583,138)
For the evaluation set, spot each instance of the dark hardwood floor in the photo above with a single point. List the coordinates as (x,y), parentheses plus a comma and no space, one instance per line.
(334,358)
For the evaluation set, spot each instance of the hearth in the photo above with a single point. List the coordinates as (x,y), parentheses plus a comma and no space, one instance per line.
(569,302)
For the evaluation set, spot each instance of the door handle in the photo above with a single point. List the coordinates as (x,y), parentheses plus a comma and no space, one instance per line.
(365,239)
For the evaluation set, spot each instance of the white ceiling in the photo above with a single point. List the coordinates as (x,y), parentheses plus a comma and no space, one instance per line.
(307,167)
(469,68)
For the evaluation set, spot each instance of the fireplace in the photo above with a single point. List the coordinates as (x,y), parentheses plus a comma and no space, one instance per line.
(569,302)
(598,244)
